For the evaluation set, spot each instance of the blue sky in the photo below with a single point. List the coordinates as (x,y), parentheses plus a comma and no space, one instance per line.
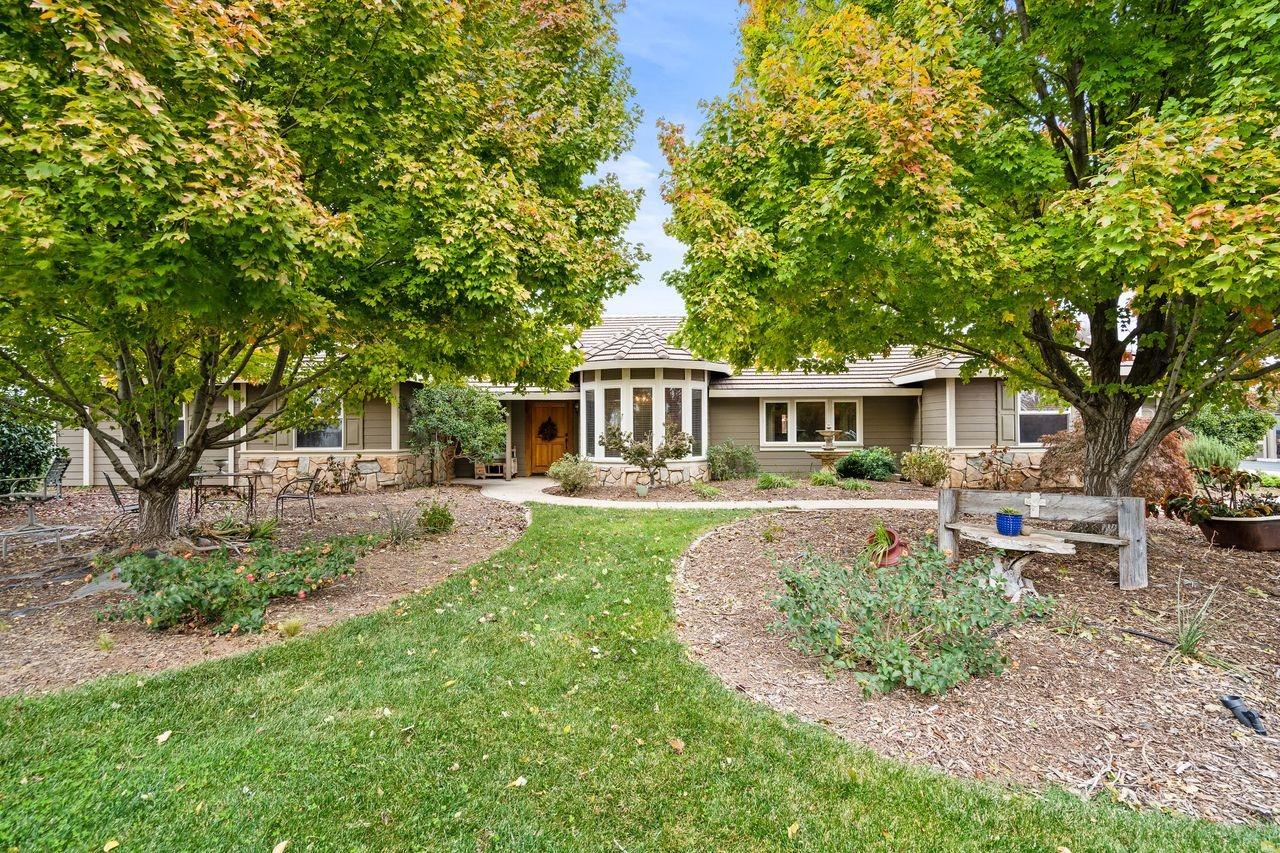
(680,52)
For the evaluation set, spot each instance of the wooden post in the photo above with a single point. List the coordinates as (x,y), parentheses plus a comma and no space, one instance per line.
(1132,525)
(948,542)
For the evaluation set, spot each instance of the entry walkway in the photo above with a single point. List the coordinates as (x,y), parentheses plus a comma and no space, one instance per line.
(523,490)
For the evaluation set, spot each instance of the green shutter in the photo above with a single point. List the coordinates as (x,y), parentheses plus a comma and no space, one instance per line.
(1006,414)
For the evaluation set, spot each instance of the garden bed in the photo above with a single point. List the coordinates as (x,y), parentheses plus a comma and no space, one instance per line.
(1083,705)
(50,633)
(746,490)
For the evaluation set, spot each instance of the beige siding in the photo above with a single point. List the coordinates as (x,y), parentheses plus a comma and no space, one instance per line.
(71,439)
(377,424)
(975,413)
(889,422)
(886,422)
(933,413)
(102,464)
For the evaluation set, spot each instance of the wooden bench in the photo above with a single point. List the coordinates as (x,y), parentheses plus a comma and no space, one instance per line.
(1128,515)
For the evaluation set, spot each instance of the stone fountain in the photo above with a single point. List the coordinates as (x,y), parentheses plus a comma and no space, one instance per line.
(828,454)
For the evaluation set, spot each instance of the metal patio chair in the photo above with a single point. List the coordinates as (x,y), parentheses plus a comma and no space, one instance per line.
(298,489)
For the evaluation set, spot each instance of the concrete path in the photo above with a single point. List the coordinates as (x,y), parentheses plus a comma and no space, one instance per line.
(530,490)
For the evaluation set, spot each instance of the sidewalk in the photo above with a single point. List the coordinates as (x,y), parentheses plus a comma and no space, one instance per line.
(530,490)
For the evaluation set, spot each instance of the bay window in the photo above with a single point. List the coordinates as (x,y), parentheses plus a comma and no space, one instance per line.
(647,402)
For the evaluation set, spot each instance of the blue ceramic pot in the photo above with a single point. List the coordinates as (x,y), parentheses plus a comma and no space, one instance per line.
(1008,525)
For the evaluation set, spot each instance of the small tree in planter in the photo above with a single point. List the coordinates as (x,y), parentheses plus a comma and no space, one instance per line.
(640,453)
(449,421)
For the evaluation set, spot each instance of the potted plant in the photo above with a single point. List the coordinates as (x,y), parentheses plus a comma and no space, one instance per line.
(1009,521)
(1227,513)
(885,546)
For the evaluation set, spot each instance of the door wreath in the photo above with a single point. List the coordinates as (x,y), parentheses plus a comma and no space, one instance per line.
(549,431)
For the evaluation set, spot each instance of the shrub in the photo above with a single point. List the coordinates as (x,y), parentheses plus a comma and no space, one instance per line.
(730,461)
(1205,452)
(457,420)
(574,474)
(774,481)
(26,448)
(435,518)
(706,491)
(228,592)
(824,478)
(1164,472)
(872,463)
(1240,427)
(922,623)
(926,467)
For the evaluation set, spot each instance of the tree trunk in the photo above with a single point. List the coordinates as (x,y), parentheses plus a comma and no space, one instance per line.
(158,516)
(1107,468)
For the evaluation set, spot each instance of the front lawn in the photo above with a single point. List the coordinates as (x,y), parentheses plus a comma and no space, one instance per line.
(538,701)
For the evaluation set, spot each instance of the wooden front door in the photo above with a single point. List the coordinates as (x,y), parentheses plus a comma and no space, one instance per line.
(550,430)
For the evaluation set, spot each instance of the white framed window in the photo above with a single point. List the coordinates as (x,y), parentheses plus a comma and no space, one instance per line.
(798,422)
(325,436)
(180,427)
(1037,417)
(643,401)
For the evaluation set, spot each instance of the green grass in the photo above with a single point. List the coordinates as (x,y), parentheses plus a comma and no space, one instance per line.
(775,481)
(407,729)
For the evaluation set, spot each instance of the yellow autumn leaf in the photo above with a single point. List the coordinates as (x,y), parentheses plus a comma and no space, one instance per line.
(793,830)
(110,845)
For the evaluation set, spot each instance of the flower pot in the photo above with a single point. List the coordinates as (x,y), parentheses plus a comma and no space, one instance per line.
(898,548)
(642,489)
(1247,534)
(1008,524)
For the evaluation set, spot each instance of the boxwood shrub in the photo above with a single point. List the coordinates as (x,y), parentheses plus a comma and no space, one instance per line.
(870,463)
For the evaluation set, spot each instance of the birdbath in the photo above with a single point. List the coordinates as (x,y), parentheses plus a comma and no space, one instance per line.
(827,454)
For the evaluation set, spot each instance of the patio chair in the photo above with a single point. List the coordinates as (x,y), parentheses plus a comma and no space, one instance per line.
(122,509)
(37,489)
(298,489)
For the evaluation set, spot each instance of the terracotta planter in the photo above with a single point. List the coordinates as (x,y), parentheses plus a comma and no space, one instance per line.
(897,551)
(1247,534)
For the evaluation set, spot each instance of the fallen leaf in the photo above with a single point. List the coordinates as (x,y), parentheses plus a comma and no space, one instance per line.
(163,736)
(281,847)
(676,744)
(518,782)
(110,845)
(793,829)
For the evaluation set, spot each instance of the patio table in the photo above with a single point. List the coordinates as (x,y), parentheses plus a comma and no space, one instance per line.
(226,487)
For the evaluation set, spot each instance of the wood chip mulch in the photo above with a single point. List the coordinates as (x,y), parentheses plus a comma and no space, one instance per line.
(50,634)
(1083,705)
(745,490)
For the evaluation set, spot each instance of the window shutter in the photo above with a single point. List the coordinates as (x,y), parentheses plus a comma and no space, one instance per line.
(352,436)
(1006,414)
(590,415)
(695,403)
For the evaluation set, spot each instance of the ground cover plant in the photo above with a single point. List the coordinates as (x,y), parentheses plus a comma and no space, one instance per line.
(227,591)
(921,623)
(537,700)
(769,481)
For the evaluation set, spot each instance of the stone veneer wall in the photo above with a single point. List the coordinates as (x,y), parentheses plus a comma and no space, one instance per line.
(375,471)
(622,474)
(1025,475)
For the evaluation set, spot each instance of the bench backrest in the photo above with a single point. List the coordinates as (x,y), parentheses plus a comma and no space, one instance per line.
(1047,506)
(1129,515)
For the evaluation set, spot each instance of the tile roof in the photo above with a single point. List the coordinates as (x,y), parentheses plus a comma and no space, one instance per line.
(633,339)
(876,372)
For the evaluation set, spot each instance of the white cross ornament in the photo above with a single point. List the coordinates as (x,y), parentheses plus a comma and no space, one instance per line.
(1035,502)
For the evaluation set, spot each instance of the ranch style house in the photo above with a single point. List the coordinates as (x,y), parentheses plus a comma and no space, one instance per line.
(633,376)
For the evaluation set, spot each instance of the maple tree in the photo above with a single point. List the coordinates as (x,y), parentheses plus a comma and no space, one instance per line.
(1081,198)
(319,198)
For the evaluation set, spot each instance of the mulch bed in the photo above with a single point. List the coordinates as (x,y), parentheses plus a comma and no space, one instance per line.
(49,635)
(1083,705)
(745,490)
